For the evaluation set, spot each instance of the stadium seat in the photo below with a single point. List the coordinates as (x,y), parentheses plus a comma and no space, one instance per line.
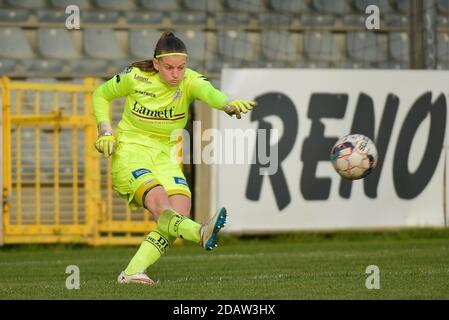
(275,20)
(196,43)
(280,47)
(62,4)
(43,66)
(383,5)
(237,45)
(232,19)
(211,6)
(188,18)
(365,46)
(160,5)
(120,65)
(443,21)
(94,16)
(56,44)
(102,44)
(289,6)
(249,6)
(14,44)
(119,5)
(321,46)
(276,64)
(212,65)
(396,20)
(84,67)
(313,65)
(232,63)
(443,6)
(354,20)
(196,65)
(443,47)
(139,17)
(194,5)
(337,7)
(393,65)
(142,42)
(318,21)
(14,15)
(403,6)
(442,66)
(7,67)
(399,46)
(27,4)
(349,64)
(214,6)
(51,16)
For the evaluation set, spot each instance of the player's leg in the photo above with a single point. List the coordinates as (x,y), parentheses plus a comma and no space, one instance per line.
(209,230)
(170,225)
(132,179)
(169,221)
(155,244)
(181,204)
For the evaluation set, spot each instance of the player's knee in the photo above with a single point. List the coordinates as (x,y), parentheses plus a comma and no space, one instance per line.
(156,201)
(181,203)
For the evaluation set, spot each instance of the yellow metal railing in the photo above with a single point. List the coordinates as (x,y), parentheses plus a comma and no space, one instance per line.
(56,187)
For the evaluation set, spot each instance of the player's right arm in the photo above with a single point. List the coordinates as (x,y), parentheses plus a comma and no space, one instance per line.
(203,90)
(118,86)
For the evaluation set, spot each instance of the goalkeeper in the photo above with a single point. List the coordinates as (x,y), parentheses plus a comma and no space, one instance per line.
(158,94)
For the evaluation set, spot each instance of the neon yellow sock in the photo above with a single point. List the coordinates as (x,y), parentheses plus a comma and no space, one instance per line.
(151,249)
(172,223)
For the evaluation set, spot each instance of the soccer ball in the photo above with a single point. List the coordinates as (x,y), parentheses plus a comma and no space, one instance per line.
(354,156)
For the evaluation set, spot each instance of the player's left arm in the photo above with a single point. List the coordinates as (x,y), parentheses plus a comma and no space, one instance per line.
(203,90)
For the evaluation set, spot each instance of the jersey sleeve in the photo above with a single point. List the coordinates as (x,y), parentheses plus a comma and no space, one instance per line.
(120,85)
(202,89)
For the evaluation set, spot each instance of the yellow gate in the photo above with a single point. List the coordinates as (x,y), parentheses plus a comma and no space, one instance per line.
(56,187)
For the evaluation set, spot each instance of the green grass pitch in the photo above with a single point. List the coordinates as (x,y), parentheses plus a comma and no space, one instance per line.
(413,264)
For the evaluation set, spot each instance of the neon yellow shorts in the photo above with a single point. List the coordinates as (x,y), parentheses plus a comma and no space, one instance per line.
(137,169)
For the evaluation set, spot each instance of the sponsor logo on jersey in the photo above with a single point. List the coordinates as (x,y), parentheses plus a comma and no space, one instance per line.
(165,114)
(140,172)
(150,94)
(142,79)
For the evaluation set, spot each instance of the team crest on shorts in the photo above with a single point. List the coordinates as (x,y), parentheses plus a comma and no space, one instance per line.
(179,180)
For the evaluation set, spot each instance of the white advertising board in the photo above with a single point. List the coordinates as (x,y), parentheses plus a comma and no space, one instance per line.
(404,112)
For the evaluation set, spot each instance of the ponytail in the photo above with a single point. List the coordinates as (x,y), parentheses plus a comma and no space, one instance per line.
(144,65)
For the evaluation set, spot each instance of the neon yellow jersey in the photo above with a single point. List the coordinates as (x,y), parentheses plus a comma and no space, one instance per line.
(153,110)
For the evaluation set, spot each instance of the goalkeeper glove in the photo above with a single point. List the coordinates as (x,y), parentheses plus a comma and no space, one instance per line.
(238,106)
(105,143)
